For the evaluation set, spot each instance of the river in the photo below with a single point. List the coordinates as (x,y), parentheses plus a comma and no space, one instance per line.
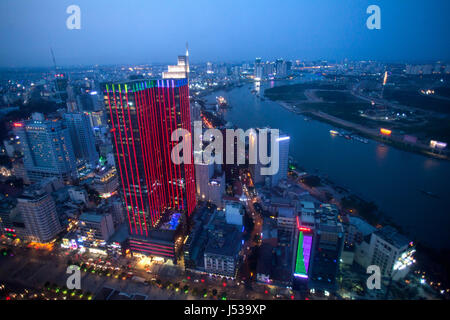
(390,177)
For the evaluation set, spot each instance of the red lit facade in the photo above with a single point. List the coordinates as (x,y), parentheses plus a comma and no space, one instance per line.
(142,115)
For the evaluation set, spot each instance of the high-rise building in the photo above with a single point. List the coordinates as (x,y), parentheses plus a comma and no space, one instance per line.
(47,148)
(203,173)
(39,214)
(179,71)
(283,159)
(283,156)
(210,183)
(326,249)
(142,115)
(82,137)
(280,67)
(209,68)
(61,84)
(258,69)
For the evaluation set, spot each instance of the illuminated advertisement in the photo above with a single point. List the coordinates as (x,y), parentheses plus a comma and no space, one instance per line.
(303,251)
(385,132)
(437,144)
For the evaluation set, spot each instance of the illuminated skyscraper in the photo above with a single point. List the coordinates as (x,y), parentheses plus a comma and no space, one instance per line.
(142,115)
(283,149)
(181,70)
(258,69)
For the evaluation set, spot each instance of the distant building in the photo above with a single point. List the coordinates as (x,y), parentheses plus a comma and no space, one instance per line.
(61,84)
(258,73)
(47,149)
(179,71)
(281,70)
(209,68)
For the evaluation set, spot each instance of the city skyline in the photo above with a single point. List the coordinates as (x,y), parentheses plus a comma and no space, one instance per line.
(325,30)
(314,167)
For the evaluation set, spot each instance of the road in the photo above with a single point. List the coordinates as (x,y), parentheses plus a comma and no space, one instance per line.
(33,268)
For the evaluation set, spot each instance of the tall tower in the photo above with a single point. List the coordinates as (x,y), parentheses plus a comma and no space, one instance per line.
(142,115)
(258,74)
(283,149)
(187,61)
(179,71)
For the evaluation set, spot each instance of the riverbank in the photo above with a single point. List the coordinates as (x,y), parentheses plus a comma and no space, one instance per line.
(373,134)
(386,176)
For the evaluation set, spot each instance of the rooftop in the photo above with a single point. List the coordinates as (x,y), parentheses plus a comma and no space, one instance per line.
(226,243)
(392,236)
(91,217)
(364,227)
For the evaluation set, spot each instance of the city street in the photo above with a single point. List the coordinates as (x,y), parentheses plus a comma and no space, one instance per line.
(32,268)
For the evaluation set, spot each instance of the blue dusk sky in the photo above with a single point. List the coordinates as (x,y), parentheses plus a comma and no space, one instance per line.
(149,31)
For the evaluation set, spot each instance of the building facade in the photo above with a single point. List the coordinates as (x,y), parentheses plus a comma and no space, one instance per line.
(47,149)
(39,214)
(82,137)
(142,116)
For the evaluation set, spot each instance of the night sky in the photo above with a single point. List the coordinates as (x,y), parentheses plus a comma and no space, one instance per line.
(149,31)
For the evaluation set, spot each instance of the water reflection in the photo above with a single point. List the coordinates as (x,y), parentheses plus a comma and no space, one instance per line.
(381,151)
(257,87)
(390,177)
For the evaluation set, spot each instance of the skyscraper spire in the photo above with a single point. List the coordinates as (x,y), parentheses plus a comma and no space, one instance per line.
(187,61)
